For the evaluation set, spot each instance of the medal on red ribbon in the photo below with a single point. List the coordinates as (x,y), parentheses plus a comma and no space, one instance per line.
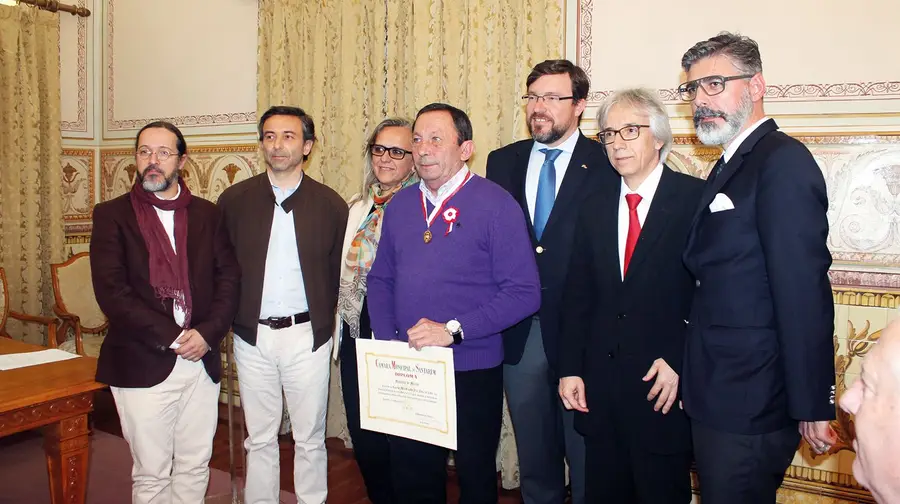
(450,214)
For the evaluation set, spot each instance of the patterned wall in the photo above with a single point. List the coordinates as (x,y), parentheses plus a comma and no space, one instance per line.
(862,173)
(207,172)
(78,180)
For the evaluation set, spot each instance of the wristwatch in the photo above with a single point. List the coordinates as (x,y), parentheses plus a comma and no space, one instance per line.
(455,329)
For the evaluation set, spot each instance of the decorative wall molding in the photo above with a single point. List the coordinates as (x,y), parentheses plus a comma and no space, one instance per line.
(208,171)
(799,92)
(862,176)
(78,184)
(806,481)
(870,279)
(79,125)
(850,296)
(116,124)
(813,139)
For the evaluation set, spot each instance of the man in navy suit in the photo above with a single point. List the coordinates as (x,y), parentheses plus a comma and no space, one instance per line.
(759,358)
(549,175)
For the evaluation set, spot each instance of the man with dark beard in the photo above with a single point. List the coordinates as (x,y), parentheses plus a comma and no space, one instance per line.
(759,359)
(165,275)
(548,175)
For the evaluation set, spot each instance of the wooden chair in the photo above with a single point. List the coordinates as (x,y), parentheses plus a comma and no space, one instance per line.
(77,307)
(6,313)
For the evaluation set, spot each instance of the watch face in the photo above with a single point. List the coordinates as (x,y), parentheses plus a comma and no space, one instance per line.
(453,326)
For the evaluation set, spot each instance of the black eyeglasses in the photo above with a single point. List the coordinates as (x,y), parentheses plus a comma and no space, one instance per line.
(393,152)
(627,132)
(550,99)
(712,85)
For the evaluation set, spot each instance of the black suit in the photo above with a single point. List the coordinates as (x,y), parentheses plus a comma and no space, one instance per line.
(759,355)
(545,433)
(613,331)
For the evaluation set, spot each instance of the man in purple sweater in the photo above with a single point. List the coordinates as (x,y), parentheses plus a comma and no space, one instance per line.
(454,268)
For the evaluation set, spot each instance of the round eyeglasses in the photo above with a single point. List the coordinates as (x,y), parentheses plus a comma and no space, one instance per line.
(627,132)
(162,155)
(712,85)
(394,152)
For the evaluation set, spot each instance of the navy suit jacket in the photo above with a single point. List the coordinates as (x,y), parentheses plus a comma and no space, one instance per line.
(588,169)
(759,354)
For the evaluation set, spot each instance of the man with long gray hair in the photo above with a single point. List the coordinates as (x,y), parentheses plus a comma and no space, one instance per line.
(758,369)
(623,312)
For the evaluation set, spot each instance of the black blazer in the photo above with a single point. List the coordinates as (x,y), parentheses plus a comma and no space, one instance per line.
(135,352)
(613,330)
(759,353)
(588,169)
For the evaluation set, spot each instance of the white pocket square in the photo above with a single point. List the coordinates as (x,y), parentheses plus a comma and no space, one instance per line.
(720,203)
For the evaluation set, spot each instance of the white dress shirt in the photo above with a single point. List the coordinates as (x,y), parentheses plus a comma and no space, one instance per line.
(167,218)
(284,291)
(446,189)
(738,140)
(536,160)
(646,190)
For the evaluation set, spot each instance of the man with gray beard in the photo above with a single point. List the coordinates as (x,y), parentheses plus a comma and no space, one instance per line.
(759,361)
(549,175)
(166,276)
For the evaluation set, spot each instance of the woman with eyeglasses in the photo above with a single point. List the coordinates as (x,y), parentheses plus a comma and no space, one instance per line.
(388,168)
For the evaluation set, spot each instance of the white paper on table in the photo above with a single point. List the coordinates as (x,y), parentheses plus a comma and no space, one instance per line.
(407,392)
(25,359)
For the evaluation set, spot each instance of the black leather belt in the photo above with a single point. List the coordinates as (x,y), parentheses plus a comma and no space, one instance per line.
(282,322)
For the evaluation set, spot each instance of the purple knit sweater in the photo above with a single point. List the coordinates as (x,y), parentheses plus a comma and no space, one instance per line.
(483,273)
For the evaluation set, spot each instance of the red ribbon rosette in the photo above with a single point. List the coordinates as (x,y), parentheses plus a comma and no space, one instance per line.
(450,216)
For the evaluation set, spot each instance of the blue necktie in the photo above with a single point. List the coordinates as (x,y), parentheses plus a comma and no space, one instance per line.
(546,192)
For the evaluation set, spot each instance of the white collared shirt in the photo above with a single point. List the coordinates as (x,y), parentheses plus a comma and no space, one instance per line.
(284,290)
(647,190)
(446,189)
(536,160)
(167,218)
(738,140)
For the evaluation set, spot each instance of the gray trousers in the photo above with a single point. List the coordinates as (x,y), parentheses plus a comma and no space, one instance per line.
(545,434)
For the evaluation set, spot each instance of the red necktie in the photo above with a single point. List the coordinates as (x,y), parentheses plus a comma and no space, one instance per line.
(634,228)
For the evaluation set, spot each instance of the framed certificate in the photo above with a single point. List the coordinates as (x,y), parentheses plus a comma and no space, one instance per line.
(407,392)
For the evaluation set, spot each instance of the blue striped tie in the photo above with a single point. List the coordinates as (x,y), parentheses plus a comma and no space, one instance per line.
(546,192)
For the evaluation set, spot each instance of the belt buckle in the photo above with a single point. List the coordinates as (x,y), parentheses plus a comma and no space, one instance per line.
(280,322)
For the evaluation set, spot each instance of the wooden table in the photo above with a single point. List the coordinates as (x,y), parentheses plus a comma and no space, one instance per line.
(58,397)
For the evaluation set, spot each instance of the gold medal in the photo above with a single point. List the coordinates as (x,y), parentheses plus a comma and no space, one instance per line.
(427,236)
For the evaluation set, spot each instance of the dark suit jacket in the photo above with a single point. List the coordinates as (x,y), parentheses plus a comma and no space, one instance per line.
(759,353)
(613,330)
(320,218)
(135,352)
(588,169)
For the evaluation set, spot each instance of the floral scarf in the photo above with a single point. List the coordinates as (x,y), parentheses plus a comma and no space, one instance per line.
(361,255)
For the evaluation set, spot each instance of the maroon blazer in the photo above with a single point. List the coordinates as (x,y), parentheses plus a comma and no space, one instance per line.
(136,351)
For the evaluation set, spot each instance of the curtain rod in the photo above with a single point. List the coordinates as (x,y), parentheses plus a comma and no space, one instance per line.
(54,6)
